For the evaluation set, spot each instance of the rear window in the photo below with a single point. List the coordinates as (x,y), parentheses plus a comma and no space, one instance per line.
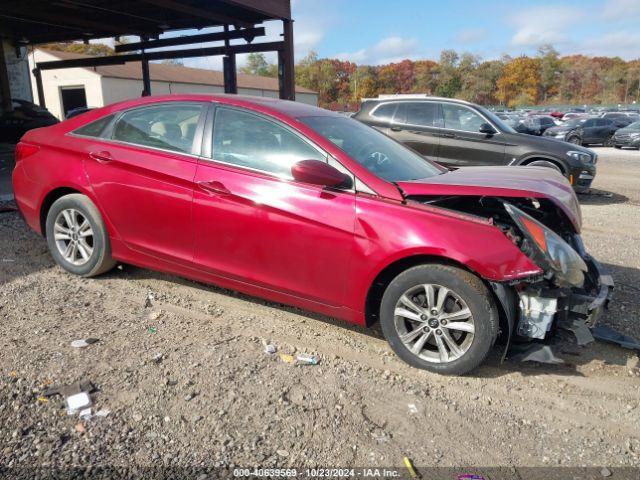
(384,111)
(95,128)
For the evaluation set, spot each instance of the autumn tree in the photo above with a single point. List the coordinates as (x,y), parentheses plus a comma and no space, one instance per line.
(91,49)
(519,83)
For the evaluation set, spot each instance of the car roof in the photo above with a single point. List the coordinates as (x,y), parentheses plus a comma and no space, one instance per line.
(415,97)
(274,105)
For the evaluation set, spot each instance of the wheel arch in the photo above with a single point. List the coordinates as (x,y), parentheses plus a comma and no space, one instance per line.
(544,158)
(392,270)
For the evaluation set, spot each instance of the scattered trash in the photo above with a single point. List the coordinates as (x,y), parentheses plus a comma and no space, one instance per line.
(152,329)
(190,396)
(78,401)
(149,298)
(307,359)
(8,260)
(605,472)
(412,408)
(282,453)
(287,358)
(85,414)
(156,314)
(102,413)
(13,373)
(607,334)
(409,465)
(84,342)
(157,358)
(270,349)
(536,353)
(42,399)
(579,329)
(470,476)
(80,428)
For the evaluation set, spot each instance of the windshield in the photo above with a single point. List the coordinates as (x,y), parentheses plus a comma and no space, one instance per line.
(378,153)
(634,126)
(496,120)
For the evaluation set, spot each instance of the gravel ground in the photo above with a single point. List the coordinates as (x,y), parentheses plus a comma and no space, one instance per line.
(188,384)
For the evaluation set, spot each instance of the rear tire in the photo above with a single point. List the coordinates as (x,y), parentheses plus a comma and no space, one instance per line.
(77,237)
(575,140)
(467,304)
(609,141)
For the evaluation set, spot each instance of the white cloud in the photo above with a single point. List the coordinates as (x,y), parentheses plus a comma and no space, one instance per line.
(547,24)
(387,50)
(470,35)
(621,10)
(621,43)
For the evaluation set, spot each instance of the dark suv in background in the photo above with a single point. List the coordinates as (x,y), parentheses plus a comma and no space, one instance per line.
(587,130)
(456,133)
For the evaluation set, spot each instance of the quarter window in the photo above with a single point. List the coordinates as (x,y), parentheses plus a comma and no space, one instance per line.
(95,128)
(248,140)
(169,127)
(461,118)
(384,112)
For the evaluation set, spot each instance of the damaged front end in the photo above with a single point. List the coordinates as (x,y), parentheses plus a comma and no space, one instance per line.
(573,289)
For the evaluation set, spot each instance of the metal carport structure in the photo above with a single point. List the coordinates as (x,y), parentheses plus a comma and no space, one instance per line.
(32,22)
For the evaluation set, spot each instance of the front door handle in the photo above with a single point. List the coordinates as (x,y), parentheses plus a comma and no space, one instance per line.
(396,129)
(213,187)
(102,157)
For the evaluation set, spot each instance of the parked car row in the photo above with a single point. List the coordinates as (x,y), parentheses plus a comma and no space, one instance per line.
(457,134)
(23,117)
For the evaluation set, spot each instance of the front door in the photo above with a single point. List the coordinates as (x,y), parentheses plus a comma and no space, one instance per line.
(461,143)
(143,177)
(255,224)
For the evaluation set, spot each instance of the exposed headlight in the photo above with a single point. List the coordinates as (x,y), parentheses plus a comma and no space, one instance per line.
(548,250)
(580,156)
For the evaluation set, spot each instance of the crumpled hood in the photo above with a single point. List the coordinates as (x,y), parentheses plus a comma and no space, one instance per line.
(513,182)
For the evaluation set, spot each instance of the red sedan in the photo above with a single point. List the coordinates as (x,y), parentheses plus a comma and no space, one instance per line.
(307,207)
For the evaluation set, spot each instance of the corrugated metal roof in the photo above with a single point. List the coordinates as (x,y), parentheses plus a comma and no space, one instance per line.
(160,72)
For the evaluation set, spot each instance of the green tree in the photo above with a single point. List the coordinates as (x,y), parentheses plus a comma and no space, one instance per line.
(448,77)
(550,72)
(257,65)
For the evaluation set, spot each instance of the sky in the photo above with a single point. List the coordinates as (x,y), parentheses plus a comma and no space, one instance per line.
(375,32)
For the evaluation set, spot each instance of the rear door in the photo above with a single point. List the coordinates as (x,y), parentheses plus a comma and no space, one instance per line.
(418,125)
(461,143)
(255,224)
(142,175)
(591,130)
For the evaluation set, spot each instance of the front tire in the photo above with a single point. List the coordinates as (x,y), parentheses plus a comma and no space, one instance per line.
(77,237)
(439,318)
(575,140)
(545,163)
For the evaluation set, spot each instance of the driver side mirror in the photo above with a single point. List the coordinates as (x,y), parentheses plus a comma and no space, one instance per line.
(487,129)
(320,173)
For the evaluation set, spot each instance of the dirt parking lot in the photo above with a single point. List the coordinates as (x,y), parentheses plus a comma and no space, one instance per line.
(188,384)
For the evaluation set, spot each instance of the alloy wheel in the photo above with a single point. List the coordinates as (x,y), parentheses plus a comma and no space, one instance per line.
(434,323)
(73,236)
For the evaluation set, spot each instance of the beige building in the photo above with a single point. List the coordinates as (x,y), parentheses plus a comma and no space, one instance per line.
(65,89)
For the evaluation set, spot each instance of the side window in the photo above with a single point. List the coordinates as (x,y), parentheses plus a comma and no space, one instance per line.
(461,118)
(95,128)
(248,140)
(424,114)
(384,111)
(589,123)
(168,126)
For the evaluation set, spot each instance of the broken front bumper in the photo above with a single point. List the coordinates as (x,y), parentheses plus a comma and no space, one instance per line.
(588,305)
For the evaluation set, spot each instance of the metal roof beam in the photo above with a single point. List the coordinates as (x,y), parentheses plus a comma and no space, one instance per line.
(164,55)
(248,34)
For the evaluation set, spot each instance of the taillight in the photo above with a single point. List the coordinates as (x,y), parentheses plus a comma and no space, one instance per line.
(24,150)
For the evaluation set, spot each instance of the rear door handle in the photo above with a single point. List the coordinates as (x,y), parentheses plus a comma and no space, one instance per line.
(395,129)
(213,187)
(102,157)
